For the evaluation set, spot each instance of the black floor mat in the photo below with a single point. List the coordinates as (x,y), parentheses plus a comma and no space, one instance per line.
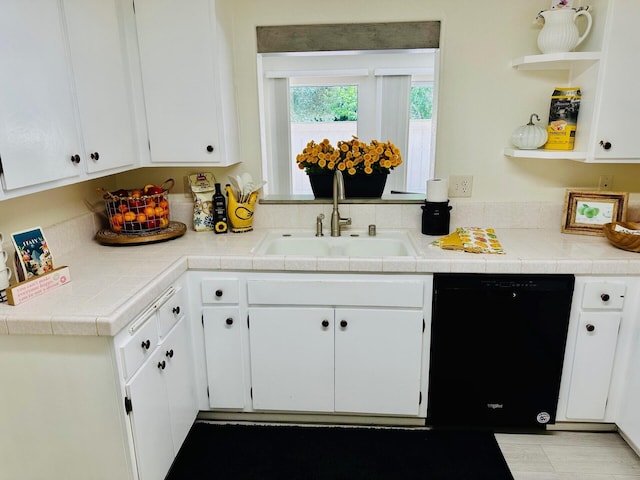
(238,452)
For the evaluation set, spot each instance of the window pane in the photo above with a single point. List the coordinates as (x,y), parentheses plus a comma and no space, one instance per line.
(316,113)
(418,157)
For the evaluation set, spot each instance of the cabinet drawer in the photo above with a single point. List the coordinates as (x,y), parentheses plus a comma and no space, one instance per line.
(603,295)
(377,293)
(171,311)
(142,343)
(218,290)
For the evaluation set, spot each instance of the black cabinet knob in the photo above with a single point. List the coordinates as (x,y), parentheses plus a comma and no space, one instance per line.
(75,158)
(605,145)
(218,293)
(169,353)
(343,323)
(229,321)
(605,297)
(146,344)
(162,365)
(590,327)
(325,323)
(209,148)
(176,310)
(95,156)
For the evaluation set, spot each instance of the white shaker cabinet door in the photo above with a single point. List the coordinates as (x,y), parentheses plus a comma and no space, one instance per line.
(177,45)
(39,138)
(292,358)
(150,419)
(615,135)
(102,83)
(593,365)
(225,357)
(378,361)
(180,385)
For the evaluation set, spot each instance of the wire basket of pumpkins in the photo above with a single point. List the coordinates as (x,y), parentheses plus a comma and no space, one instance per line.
(139,210)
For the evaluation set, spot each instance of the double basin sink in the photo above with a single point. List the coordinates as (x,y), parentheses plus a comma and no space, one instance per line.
(350,244)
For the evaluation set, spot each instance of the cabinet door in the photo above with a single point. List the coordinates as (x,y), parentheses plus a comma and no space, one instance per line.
(292,358)
(180,384)
(176,41)
(628,419)
(101,82)
(619,95)
(150,420)
(378,356)
(592,365)
(38,128)
(223,332)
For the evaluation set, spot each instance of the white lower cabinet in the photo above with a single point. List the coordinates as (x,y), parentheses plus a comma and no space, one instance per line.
(292,359)
(223,331)
(163,403)
(598,344)
(378,361)
(315,343)
(343,360)
(595,350)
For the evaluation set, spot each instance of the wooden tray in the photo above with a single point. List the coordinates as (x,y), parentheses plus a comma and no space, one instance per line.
(174,230)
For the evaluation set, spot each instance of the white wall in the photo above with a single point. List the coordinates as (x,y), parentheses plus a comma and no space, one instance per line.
(482,99)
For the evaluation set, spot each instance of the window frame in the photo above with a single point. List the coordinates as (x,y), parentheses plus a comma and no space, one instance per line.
(372,69)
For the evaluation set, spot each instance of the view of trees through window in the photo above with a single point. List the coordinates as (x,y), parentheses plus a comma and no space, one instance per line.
(340,103)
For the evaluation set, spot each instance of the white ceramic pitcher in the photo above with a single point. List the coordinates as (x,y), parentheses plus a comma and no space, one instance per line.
(560,33)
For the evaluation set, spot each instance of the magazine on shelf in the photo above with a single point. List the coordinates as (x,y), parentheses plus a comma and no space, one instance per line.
(33,256)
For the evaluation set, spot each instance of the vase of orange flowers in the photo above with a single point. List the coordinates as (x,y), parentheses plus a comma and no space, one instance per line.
(364,166)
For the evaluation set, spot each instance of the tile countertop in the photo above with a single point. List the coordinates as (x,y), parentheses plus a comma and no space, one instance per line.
(111,285)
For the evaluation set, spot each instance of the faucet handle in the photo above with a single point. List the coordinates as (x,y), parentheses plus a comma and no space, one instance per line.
(319,219)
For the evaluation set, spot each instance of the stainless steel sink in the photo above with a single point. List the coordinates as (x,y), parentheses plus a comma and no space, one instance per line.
(352,244)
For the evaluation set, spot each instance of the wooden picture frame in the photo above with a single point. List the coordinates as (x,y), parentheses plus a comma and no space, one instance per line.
(586,211)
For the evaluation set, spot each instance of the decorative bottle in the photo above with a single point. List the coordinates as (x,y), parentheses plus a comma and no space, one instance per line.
(220,224)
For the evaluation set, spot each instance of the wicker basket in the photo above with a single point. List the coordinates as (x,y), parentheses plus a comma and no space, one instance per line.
(135,213)
(625,241)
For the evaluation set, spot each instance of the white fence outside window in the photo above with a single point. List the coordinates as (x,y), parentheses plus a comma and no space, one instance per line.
(416,161)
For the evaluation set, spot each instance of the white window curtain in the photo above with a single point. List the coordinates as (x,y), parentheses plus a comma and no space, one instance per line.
(393,100)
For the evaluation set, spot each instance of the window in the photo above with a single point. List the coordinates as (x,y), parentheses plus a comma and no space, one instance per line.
(375,94)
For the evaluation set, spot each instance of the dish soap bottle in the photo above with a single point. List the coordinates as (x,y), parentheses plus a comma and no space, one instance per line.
(220,224)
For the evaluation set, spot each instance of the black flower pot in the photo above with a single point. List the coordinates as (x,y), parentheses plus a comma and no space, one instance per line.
(360,185)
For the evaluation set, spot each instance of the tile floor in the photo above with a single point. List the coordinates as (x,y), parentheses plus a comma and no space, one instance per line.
(569,456)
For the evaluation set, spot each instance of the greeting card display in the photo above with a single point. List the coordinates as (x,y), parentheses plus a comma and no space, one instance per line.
(33,256)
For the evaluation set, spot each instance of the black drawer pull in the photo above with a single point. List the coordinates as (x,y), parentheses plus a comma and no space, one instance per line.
(590,327)
(146,344)
(229,321)
(176,310)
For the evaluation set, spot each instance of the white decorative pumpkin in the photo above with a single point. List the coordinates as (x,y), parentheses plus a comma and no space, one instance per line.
(530,136)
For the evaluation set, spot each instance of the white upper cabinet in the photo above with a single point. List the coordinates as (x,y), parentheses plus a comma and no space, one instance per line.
(607,124)
(66,112)
(39,139)
(190,119)
(102,83)
(614,134)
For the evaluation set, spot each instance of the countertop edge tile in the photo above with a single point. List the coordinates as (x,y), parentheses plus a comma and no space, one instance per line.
(29,326)
(77,325)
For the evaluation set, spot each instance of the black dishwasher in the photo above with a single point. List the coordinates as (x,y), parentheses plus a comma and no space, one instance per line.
(497,348)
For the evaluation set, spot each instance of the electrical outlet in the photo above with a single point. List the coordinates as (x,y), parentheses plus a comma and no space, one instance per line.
(606,182)
(460,185)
